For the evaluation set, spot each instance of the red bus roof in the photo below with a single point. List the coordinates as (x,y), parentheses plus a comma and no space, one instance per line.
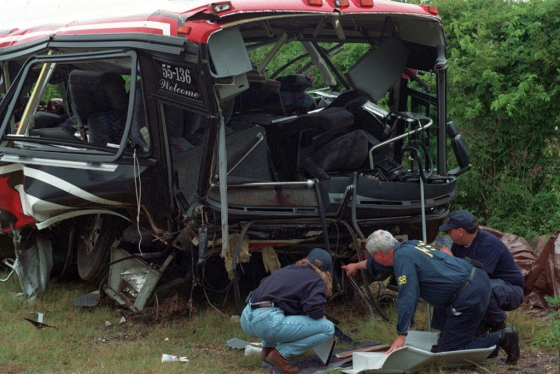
(195,19)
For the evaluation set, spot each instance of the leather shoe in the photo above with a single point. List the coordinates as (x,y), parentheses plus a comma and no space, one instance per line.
(265,352)
(276,359)
(509,342)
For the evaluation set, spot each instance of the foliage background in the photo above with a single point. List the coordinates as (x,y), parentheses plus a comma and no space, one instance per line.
(503,92)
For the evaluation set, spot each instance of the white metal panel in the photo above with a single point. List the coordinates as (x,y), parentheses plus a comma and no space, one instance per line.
(415,355)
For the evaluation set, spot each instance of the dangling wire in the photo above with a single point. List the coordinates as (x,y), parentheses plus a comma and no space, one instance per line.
(138,192)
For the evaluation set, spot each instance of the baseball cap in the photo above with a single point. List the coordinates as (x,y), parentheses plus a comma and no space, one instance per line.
(458,218)
(320,258)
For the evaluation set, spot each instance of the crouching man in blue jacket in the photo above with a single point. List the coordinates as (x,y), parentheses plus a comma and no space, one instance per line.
(458,291)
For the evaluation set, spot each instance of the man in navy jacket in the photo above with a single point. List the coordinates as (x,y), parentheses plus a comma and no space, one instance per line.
(456,288)
(489,253)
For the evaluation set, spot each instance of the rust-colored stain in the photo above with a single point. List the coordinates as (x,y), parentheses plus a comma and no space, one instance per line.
(281,198)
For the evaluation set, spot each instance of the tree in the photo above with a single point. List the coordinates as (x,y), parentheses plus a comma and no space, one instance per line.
(504,91)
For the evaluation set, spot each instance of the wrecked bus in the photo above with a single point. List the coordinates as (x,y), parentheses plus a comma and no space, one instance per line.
(170,144)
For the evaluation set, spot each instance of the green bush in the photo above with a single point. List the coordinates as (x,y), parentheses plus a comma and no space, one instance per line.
(503,92)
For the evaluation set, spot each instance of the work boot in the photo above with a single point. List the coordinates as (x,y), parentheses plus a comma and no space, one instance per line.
(276,359)
(498,327)
(484,328)
(265,352)
(509,342)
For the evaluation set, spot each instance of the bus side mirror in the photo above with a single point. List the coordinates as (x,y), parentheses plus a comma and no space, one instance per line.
(460,148)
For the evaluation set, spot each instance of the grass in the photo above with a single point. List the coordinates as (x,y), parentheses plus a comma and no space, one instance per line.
(83,343)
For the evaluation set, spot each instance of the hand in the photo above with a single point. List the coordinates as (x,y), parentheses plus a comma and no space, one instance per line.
(398,343)
(351,269)
(444,249)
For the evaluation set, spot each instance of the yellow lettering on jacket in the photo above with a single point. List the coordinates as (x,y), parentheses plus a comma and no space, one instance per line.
(425,248)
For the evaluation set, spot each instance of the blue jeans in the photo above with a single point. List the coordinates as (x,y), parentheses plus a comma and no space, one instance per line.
(295,334)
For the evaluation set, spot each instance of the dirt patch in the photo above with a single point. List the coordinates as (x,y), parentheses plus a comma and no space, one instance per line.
(11,369)
(532,361)
(170,309)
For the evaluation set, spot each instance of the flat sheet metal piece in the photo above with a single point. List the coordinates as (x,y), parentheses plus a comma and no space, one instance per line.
(414,356)
(237,343)
(40,325)
(90,299)
(324,351)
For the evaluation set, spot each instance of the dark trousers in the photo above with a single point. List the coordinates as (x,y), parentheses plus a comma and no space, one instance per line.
(459,321)
(504,297)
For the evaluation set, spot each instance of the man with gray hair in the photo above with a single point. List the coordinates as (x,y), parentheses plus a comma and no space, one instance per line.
(446,282)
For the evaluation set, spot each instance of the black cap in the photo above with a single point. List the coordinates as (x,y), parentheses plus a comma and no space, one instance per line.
(320,258)
(458,218)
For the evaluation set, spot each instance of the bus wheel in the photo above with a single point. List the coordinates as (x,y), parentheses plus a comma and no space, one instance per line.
(96,235)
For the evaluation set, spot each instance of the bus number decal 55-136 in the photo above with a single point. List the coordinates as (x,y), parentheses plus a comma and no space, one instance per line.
(178,74)
(176,80)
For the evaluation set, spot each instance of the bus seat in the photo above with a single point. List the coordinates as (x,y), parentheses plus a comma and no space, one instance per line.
(346,152)
(100,101)
(293,97)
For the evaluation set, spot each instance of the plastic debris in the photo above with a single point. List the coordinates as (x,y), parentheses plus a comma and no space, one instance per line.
(251,350)
(171,358)
(237,343)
